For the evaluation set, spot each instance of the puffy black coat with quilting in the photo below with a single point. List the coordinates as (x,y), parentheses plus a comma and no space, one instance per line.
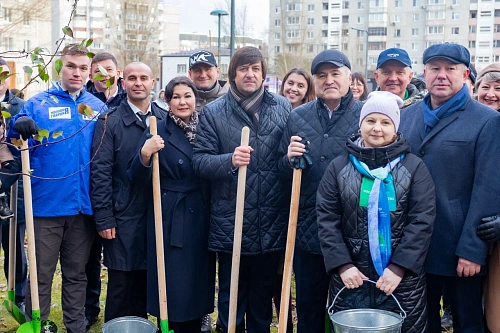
(266,213)
(327,139)
(343,230)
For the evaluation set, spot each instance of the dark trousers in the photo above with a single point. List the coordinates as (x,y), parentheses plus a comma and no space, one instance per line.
(93,272)
(126,294)
(255,291)
(465,297)
(312,291)
(190,326)
(21,263)
(67,238)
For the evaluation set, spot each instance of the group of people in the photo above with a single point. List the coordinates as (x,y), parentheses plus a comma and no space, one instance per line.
(399,187)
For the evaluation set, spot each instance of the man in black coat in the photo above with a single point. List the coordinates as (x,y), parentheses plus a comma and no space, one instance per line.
(456,138)
(326,123)
(112,96)
(217,156)
(119,209)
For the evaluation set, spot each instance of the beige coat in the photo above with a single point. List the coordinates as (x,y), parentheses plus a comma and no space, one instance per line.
(492,291)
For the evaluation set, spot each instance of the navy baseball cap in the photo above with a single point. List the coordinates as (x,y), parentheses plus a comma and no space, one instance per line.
(204,57)
(455,53)
(394,54)
(329,57)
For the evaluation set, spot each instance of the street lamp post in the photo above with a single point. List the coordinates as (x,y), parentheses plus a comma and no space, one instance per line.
(219,13)
(366,53)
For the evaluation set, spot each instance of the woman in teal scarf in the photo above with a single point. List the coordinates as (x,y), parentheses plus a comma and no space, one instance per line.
(376,209)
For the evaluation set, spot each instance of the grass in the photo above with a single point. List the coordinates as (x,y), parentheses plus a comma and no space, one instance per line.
(9,325)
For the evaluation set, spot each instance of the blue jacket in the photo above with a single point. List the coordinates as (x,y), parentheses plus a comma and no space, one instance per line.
(55,110)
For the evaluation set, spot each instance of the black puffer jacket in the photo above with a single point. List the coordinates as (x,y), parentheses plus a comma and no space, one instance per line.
(266,213)
(327,139)
(343,229)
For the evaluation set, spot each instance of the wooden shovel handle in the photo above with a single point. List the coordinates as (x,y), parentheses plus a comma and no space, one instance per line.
(238,230)
(30,230)
(160,250)
(290,248)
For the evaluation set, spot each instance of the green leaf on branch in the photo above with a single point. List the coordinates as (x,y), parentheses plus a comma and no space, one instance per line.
(43,133)
(67,31)
(89,42)
(6,115)
(102,70)
(4,76)
(110,82)
(54,98)
(28,70)
(42,73)
(90,55)
(98,77)
(59,66)
(57,134)
(85,110)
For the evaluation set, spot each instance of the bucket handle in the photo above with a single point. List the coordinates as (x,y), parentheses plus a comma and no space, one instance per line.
(330,308)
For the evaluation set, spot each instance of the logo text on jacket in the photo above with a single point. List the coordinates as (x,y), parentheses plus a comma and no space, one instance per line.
(60,113)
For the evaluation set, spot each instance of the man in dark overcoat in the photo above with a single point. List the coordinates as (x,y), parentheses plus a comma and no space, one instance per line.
(119,208)
(456,138)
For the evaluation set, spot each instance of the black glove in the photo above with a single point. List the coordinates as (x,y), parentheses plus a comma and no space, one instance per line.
(301,162)
(489,230)
(26,127)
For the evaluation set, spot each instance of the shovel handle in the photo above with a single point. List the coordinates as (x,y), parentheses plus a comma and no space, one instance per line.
(238,230)
(290,248)
(160,250)
(30,230)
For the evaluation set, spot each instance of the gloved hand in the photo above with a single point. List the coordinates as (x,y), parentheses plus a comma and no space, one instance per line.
(489,230)
(301,162)
(26,127)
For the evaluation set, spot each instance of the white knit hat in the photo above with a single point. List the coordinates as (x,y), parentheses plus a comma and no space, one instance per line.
(382,102)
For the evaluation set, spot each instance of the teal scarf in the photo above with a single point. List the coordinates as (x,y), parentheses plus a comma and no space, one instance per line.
(381,201)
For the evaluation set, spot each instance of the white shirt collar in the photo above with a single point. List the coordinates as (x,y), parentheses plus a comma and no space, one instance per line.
(137,110)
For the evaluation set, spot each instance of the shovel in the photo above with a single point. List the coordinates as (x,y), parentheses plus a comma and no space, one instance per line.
(290,248)
(160,250)
(35,325)
(10,304)
(238,230)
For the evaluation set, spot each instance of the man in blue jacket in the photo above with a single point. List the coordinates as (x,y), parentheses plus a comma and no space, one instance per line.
(64,226)
(456,138)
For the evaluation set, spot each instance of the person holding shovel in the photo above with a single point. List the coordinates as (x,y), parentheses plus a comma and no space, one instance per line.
(376,208)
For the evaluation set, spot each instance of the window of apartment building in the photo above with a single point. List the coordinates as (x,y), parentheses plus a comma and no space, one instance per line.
(325,5)
(397,45)
(335,19)
(334,33)
(310,8)
(335,5)
(130,36)
(360,33)
(496,58)
(472,44)
(485,28)
(7,14)
(377,3)
(324,19)
(361,47)
(435,29)
(361,19)
(398,3)
(277,49)
(427,44)
(310,34)
(473,14)
(485,13)
(378,32)
(397,18)
(290,7)
(416,3)
(414,32)
(359,61)
(455,16)
(435,15)
(455,30)
(497,12)
(26,19)
(277,23)
(119,37)
(415,17)
(472,29)
(414,46)
(277,36)
(277,10)
(361,5)
(496,28)
(181,68)
(130,26)
(482,59)
(435,2)
(377,17)
(293,33)
(107,36)
(310,21)
(345,32)
(372,60)
(484,44)
(376,46)
(293,20)
(345,47)
(97,45)
(310,48)
(414,62)
(345,19)
(345,5)
(397,33)
(334,46)
(27,45)
(292,48)
(324,33)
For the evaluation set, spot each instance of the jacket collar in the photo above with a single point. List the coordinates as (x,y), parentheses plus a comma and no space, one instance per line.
(214,92)
(177,138)
(129,116)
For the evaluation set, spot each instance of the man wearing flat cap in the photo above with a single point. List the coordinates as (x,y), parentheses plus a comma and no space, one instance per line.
(394,74)
(456,138)
(325,123)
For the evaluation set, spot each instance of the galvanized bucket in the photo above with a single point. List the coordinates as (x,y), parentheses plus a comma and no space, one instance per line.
(129,325)
(366,320)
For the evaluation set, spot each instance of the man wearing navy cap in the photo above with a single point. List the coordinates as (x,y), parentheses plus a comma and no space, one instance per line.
(456,138)
(325,123)
(394,74)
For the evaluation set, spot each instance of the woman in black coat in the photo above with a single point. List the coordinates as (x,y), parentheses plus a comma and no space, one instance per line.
(376,209)
(190,267)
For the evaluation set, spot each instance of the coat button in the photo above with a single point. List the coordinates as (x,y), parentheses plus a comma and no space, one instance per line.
(322,158)
(181,161)
(325,136)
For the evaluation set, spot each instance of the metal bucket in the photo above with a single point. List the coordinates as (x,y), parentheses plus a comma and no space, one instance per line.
(129,325)
(366,320)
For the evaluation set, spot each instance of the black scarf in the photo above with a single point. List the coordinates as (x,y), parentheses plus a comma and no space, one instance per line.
(250,104)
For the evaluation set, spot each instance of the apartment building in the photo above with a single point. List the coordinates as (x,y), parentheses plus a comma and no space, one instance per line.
(363,28)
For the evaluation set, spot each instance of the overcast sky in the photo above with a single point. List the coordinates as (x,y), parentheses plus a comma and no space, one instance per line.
(195,15)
